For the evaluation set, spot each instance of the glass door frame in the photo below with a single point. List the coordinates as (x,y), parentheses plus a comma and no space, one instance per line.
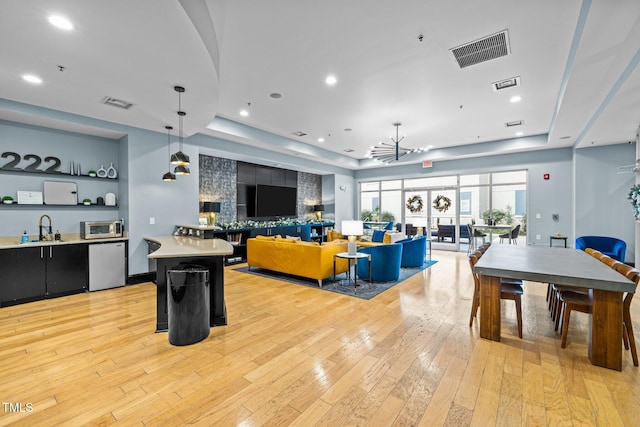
(428,207)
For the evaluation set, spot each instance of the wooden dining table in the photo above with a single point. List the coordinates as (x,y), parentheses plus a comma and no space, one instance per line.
(568,267)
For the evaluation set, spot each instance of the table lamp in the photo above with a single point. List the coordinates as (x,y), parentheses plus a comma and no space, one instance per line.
(352,229)
(318,209)
(209,210)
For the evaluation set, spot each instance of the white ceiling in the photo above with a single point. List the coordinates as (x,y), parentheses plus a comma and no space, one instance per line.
(577,61)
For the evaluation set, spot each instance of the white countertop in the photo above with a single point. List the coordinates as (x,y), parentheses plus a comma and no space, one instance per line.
(67,239)
(181,246)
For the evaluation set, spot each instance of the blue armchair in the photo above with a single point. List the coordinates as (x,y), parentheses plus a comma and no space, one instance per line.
(385,263)
(413,251)
(611,246)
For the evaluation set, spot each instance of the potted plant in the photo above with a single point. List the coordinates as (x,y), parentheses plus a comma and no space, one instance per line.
(86,202)
(634,196)
(93,173)
(7,200)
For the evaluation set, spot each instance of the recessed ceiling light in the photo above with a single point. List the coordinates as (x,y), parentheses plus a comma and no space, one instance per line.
(276,95)
(32,79)
(61,22)
(519,133)
(565,137)
(515,98)
(429,146)
(331,80)
(245,111)
(320,139)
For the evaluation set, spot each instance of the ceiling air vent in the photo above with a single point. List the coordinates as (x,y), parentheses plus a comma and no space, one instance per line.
(299,133)
(516,123)
(485,49)
(505,84)
(107,100)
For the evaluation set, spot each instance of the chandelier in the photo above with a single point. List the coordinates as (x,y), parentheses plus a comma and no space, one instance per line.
(385,152)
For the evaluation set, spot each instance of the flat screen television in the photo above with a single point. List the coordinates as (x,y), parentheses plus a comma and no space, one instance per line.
(276,201)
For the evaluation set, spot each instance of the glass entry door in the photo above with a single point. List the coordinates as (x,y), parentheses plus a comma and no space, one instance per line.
(437,219)
(445,230)
(416,213)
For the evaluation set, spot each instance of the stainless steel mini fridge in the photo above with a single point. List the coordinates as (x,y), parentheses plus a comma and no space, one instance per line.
(106,265)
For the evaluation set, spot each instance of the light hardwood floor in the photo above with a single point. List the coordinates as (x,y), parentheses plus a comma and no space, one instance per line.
(293,355)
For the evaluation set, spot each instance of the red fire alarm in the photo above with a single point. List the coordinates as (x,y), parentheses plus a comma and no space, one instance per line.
(545,176)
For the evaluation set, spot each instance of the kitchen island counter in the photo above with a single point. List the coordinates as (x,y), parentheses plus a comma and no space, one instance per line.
(176,252)
(179,246)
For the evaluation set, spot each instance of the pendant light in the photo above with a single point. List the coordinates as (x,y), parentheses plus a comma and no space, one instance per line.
(179,158)
(169,176)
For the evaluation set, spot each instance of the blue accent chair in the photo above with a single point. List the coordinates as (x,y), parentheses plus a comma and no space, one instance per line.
(385,263)
(611,246)
(413,251)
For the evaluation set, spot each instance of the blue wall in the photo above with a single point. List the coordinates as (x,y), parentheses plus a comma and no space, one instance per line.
(88,151)
(588,176)
(601,205)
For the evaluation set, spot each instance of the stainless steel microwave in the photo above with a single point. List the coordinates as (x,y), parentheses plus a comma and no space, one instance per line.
(100,229)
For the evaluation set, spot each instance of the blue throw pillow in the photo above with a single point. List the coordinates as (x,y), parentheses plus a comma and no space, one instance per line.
(378,236)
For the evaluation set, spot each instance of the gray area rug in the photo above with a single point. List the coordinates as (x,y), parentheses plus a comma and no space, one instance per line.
(343,286)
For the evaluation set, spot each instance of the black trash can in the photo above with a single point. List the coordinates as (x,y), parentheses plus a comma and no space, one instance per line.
(188,305)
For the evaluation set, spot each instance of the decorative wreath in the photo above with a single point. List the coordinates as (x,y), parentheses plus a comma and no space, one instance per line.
(442,203)
(414,204)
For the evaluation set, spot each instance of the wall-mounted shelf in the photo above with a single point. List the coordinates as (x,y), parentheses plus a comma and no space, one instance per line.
(43,206)
(56,174)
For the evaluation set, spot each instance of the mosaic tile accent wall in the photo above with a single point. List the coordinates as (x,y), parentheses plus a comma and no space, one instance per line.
(218,178)
(309,194)
(218,184)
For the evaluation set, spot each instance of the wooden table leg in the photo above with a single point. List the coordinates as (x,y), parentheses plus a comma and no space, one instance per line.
(490,307)
(605,329)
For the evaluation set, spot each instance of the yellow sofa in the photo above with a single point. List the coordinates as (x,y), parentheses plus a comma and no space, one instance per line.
(305,259)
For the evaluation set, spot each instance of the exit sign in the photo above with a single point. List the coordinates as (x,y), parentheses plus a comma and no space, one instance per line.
(427,164)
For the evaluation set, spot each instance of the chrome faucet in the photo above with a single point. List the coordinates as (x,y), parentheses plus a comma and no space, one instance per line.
(40,226)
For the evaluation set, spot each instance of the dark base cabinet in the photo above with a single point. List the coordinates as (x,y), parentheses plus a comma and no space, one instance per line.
(67,269)
(23,275)
(303,231)
(34,273)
